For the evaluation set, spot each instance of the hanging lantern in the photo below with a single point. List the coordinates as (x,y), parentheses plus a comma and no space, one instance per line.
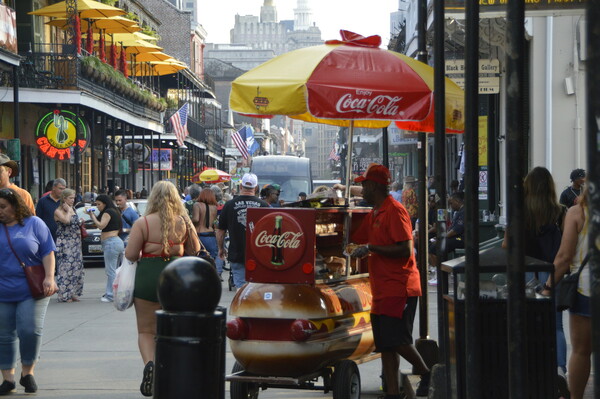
(123,62)
(113,55)
(89,44)
(77,28)
(102,52)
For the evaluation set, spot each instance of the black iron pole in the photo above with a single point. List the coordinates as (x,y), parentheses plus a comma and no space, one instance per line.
(103,178)
(515,148)
(385,147)
(133,161)
(422,253)
(143,160)
(16,117)
(472,338)
(440,164)
(593,115)
(114,155)
(76,153)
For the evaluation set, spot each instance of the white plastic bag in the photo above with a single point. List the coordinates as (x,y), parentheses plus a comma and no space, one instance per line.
(124,284)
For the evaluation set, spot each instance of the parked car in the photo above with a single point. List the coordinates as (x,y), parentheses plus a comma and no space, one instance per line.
(90,246)
(139,205)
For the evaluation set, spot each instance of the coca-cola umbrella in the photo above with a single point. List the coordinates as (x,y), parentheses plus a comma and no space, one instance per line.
(211,176)
(351,83)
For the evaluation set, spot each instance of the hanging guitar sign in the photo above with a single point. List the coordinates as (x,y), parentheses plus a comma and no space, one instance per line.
(56,134)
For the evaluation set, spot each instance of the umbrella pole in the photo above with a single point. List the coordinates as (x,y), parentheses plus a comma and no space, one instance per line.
(349,160)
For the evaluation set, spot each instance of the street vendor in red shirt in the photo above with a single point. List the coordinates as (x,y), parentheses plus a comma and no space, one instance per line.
(386,237)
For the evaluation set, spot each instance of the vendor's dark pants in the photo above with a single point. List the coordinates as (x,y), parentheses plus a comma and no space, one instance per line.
(391,332)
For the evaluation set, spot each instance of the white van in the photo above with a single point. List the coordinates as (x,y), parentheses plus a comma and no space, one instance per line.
(293,174)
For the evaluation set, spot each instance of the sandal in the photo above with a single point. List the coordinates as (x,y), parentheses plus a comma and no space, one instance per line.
(148,379)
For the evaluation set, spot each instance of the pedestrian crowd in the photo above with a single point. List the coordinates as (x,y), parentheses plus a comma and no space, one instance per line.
(208,220)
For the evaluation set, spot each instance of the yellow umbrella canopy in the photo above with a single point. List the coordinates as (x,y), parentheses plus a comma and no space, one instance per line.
(109,25)
(152,56)
(85,9)
(159,68)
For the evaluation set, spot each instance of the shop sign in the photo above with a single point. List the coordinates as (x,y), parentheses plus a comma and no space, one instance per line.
(489,75)
(278,241)
(490,8)
(123,166)
(56,134)
(162,157)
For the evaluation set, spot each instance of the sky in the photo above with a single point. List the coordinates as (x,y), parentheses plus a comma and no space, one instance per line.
(360,16)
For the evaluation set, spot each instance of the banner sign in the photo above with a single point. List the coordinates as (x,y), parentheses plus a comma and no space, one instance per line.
(56,134)
(8,29)
(532,7)
(162,157)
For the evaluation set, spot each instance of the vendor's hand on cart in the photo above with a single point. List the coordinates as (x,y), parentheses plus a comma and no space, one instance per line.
(357,251)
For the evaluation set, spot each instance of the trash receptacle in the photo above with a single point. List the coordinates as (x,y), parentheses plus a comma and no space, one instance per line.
(540,327)
(190,332)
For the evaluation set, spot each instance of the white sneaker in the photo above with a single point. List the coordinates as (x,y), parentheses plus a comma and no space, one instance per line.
(433,281)
(105,299)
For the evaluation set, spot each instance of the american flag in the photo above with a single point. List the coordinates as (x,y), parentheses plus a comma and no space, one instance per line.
(239,139)
(333,154)
(179,123)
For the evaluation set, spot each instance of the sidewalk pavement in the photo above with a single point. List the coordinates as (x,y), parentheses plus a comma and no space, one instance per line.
(90,351)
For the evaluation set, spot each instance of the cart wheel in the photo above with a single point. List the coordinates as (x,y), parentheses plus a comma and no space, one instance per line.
(242,390)
(346,380)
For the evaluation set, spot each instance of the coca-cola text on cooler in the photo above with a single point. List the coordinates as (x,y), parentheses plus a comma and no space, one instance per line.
(285,240)
(379,105)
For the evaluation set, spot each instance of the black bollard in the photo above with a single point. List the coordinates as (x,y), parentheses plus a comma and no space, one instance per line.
(190,336)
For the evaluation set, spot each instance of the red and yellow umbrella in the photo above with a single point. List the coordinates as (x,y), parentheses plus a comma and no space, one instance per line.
(348,82)
(211,176)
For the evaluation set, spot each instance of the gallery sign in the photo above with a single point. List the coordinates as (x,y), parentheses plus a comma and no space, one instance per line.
(489,74)
(59,132)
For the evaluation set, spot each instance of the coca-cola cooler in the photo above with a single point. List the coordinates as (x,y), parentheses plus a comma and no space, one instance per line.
(284,238)
(277,240)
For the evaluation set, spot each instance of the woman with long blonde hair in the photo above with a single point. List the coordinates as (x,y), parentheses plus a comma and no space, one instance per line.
(164,233)
(573,250)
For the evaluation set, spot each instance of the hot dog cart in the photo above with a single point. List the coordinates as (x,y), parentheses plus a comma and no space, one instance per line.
(304,315)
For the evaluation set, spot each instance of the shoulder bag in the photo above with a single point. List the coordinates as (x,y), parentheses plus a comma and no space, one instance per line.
(35,274)
(566,290)
(83,230)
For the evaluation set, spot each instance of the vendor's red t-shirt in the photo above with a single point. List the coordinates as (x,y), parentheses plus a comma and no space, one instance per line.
(392,279)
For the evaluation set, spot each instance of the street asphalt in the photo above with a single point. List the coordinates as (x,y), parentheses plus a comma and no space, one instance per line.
(90,351)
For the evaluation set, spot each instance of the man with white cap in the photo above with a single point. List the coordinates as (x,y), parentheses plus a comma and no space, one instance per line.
(8,169)
(233,219)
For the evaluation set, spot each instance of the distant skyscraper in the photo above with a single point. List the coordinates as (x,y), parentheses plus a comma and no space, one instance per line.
(302,16)
(268,12)
(267,33)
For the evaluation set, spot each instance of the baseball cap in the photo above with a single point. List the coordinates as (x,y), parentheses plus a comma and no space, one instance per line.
(577,174)
(6,161)
(377,173)
(274,186)
(249,180)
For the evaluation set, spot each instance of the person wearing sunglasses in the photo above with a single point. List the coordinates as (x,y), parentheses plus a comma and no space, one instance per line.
(8,170)
(23,238)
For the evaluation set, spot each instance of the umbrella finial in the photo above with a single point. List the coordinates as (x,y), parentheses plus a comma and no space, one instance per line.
(354,39)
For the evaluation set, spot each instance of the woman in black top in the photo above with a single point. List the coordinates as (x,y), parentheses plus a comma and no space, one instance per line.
(109,221)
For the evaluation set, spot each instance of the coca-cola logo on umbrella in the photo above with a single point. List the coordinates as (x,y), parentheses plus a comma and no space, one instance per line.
(278,241)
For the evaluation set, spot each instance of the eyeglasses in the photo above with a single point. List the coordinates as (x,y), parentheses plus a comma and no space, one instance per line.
(6,191)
